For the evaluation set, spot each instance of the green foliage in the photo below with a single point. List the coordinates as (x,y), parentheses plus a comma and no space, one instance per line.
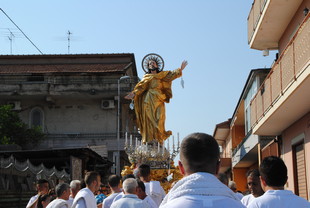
(14,131)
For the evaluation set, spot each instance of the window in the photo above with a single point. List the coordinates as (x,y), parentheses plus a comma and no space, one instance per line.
(37,117)
(247,107)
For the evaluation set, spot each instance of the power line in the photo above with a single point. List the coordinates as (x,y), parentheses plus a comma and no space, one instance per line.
(21,31)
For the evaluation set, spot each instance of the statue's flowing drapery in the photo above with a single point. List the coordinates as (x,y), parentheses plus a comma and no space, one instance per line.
(151,93)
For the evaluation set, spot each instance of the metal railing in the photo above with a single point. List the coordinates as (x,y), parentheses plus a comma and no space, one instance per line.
(109,135)
(255,13)
(65,80)
(234,151)
(290,65)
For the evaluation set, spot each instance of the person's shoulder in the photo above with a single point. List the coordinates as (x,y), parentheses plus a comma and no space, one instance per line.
(190,201)
(184,202)
(300,200)
(258,201)
(34,197)
(247,196)
(247,199)
(150,201)
(144,204)
(52,203)
(155,183)
(111,197)
(226,202)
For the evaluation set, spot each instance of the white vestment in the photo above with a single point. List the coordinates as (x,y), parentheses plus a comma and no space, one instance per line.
(246,200)
(200,190)
(279,198)
(155,191)
(109,200)
(88,196)
(150,202)
(58,203)
(31,200)
(129,201)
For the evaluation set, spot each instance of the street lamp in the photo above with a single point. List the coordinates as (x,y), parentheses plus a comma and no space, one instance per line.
(118,122)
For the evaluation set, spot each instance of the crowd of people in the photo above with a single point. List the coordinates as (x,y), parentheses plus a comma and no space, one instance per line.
(202,185)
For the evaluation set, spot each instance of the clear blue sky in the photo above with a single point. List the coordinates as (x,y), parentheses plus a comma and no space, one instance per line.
(210,35)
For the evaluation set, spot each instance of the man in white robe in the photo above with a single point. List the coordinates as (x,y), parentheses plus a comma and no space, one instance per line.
(114,184)
(233,186)
(273,177)
(200,188)
(63,193)
(254,187)
(75,187)
(143,196)
(152,188)
(85,198)
(42,187)
(130,199)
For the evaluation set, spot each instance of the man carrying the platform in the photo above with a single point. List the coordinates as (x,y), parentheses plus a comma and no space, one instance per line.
(152,188)
(199,163)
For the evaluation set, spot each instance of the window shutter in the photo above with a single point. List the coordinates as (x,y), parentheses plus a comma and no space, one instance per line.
(300,171)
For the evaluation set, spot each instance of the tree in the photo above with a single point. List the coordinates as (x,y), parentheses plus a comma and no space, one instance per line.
(14,131)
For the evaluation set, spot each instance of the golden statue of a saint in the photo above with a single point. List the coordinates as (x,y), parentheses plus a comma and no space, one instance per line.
(150,96)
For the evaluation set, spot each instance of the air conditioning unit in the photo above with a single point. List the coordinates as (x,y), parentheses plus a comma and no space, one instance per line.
(15,105)
(107,104)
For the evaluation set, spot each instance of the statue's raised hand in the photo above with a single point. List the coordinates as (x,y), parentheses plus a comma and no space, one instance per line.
(183,65)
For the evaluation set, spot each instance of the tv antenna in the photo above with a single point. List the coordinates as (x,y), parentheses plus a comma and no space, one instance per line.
(68,38)
(69,34)
(21,31)
(11,36)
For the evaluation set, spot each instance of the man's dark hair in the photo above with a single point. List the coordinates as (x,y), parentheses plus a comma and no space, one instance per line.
(273,170)
(253,173)
(223,178)
(200,153)
(127,176)
(42,181)
(42,198)
(141,184)
(114,180)
(91,177)
(144,170)
(60,188)
(83,184)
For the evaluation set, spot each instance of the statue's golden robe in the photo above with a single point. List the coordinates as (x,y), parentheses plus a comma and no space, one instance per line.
(151,93)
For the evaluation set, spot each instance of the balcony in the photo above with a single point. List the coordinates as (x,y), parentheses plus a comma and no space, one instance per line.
(70,140)
(267,21)
(283,98)
(246,153)
(80,87)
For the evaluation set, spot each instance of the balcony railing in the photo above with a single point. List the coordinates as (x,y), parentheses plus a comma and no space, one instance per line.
(241,143)
(254,16)
(289,66)
(109,135)
(58,80)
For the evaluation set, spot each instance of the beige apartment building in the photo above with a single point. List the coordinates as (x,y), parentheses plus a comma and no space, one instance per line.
(281,107)
(275,119)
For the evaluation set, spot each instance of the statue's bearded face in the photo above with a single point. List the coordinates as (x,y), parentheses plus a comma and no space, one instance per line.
(152,65)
